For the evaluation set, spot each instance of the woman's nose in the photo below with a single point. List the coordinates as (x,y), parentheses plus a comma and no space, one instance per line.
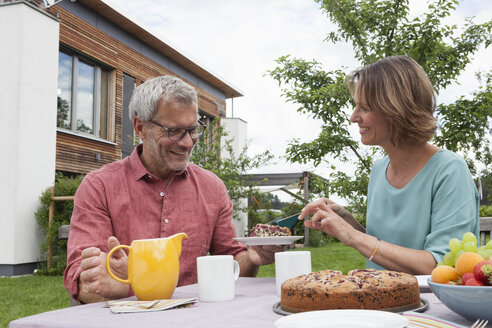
(354,117)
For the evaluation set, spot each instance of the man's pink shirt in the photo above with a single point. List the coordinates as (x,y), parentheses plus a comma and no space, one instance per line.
(123,200)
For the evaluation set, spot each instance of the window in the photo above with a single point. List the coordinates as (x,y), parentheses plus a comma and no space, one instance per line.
(208,121)
(83,95)
(205,118)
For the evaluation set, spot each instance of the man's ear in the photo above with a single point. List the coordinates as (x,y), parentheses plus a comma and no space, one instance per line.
(139,128)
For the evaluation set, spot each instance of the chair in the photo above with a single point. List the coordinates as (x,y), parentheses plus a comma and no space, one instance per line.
(63,232)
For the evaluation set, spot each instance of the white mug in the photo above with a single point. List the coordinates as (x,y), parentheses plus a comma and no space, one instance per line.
(291,264)
(216,277)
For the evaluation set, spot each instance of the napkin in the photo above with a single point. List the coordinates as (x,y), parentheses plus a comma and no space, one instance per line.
(421,320)
(149,306)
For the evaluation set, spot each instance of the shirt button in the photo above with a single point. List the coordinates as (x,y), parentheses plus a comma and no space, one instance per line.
(166,220)
(162,194)
(150,177)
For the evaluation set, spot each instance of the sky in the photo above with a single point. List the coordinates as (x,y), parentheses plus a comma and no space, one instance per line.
(239,41)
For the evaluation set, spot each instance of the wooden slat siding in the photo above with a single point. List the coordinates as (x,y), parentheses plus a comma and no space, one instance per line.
(77,154)
(209,105)
(87,39)
(112,110)
(90,149)
(118,111)
(92,42)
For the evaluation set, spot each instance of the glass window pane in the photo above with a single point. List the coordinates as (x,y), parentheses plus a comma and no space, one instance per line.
(85,98)
(103,125)
(64,92)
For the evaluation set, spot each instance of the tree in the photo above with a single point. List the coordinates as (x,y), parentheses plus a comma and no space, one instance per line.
(207,154)
(465,125)
(377,29)
(62,115)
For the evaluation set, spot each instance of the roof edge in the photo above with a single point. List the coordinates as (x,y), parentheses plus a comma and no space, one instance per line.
(116,15)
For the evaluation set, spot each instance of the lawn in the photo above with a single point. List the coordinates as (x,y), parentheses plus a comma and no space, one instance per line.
(28,295)
(334,256)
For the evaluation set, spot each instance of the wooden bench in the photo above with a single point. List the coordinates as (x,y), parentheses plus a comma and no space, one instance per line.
(485,227)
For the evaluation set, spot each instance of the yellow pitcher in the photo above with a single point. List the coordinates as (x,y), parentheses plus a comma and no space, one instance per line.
(153,266)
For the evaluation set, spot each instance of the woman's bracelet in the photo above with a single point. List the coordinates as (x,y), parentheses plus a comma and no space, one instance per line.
(375,250)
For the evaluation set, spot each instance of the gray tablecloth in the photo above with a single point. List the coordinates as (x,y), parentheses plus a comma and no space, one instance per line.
(251,308)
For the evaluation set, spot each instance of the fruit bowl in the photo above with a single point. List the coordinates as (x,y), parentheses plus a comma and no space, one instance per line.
(471,302)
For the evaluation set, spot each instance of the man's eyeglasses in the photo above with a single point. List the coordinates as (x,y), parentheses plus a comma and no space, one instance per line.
(176,134)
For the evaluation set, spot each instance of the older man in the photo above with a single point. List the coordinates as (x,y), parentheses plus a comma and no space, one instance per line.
(153,193)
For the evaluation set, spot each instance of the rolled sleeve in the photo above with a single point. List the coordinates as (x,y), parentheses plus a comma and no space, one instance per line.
(90,226)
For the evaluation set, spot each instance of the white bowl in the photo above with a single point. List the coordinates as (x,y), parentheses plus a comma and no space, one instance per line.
(471,302)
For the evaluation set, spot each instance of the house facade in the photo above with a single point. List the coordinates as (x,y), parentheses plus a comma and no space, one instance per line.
(103,55)
(85,58)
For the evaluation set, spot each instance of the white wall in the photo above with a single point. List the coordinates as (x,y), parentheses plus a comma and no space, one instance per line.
(28,81)
(237,132)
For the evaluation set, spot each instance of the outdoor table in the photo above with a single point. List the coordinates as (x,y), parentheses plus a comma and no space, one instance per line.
(251,308)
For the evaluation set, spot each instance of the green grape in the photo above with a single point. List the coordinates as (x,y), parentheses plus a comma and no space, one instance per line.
(457,255)
(470,246)
(448,259)
(484,253)
(455,245)
(469,236)
(489,244)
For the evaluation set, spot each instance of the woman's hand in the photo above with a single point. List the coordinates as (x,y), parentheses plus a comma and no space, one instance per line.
(330,218)
(326,216)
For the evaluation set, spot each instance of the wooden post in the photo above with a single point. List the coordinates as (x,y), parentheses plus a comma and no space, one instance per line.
(307,194)
(50,221)
(51,213)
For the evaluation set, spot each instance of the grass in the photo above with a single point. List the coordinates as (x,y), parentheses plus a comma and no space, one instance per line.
(334,256)
(28,295)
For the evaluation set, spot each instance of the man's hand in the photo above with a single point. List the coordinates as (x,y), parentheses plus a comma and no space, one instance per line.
(250,261)
(263,255)
(95,283)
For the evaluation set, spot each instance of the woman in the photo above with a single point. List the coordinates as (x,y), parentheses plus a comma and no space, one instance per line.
(419,196)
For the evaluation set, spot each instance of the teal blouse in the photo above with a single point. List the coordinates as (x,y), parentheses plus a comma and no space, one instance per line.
(439,203)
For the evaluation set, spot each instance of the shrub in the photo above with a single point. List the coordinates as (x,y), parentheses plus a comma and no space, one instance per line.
(485,211)
(208,154)
(64,186)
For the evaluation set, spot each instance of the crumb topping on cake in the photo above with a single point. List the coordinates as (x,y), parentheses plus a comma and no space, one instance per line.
(266,230)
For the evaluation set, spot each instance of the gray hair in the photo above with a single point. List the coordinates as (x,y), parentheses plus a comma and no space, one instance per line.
(146,97)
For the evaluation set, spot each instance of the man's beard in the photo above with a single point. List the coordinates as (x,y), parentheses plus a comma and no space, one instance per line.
(163,160)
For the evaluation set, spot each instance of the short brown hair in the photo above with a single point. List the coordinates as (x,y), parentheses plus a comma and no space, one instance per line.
(399,89)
